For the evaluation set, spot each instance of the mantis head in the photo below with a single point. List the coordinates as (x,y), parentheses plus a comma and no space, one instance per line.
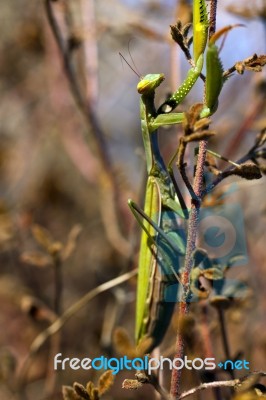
(149,83)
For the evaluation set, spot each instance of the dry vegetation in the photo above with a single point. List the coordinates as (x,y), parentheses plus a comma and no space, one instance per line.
(68,163)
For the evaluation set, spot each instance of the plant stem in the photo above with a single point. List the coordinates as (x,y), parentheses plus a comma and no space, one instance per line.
(225,338)
(192,235)
(61,321)
(107,178)
(58,285)
(191,245)
(213,11)
(231,383)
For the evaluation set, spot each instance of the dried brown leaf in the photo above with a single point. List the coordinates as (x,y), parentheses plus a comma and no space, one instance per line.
(247,171)
(69,393)
(36,258)
(95,394)
(105,381)
(197,136)
(144,346)
(179,35)
(123,343)
(202,294)
(55,248)
(131,384)
(42,236)
(254,63)
(220,302)
(81,391)
(90,387)
(142,377)
(195,276)
(71,243)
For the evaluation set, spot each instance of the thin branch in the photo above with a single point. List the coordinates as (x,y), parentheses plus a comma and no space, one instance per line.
(182,166)
(84,107)
(230,383)
(108,176)
(192,236)
(225,338)
(224,174)
(70,312)
(213,11)
(191,245)
(58,285)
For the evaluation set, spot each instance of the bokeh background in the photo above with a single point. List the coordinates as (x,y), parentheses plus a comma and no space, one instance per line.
(72,175)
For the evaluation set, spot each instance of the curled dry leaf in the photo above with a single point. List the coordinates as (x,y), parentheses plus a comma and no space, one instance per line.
(197,136)
(202,293)
(90,387)
(123,343)
(71,243)
(131,384)
(179,35)
(36,309)
(142,377)
(81,391)
(247,171)
(55,248)
(94,394)
(69,393)
(36,258)
(105,381)
(42,236)
(92,391)
(144,345)
(253,63)
(220,301)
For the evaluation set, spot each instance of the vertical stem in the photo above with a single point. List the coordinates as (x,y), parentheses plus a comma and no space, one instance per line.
(208,347)
(192,236)
(213,11)
(58,285)
(225,337)
(191,245)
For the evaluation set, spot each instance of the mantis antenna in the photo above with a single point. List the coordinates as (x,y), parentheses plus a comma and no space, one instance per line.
(132,69)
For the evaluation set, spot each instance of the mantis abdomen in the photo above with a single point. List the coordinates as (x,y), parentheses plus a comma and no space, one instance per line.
(158,268)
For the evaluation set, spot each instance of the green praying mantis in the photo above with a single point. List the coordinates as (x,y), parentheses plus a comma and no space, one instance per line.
(162,241)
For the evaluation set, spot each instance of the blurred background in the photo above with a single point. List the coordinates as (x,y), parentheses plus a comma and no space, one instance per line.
(71,155)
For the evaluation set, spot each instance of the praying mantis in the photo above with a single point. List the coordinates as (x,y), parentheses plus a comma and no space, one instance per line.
(162,241)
